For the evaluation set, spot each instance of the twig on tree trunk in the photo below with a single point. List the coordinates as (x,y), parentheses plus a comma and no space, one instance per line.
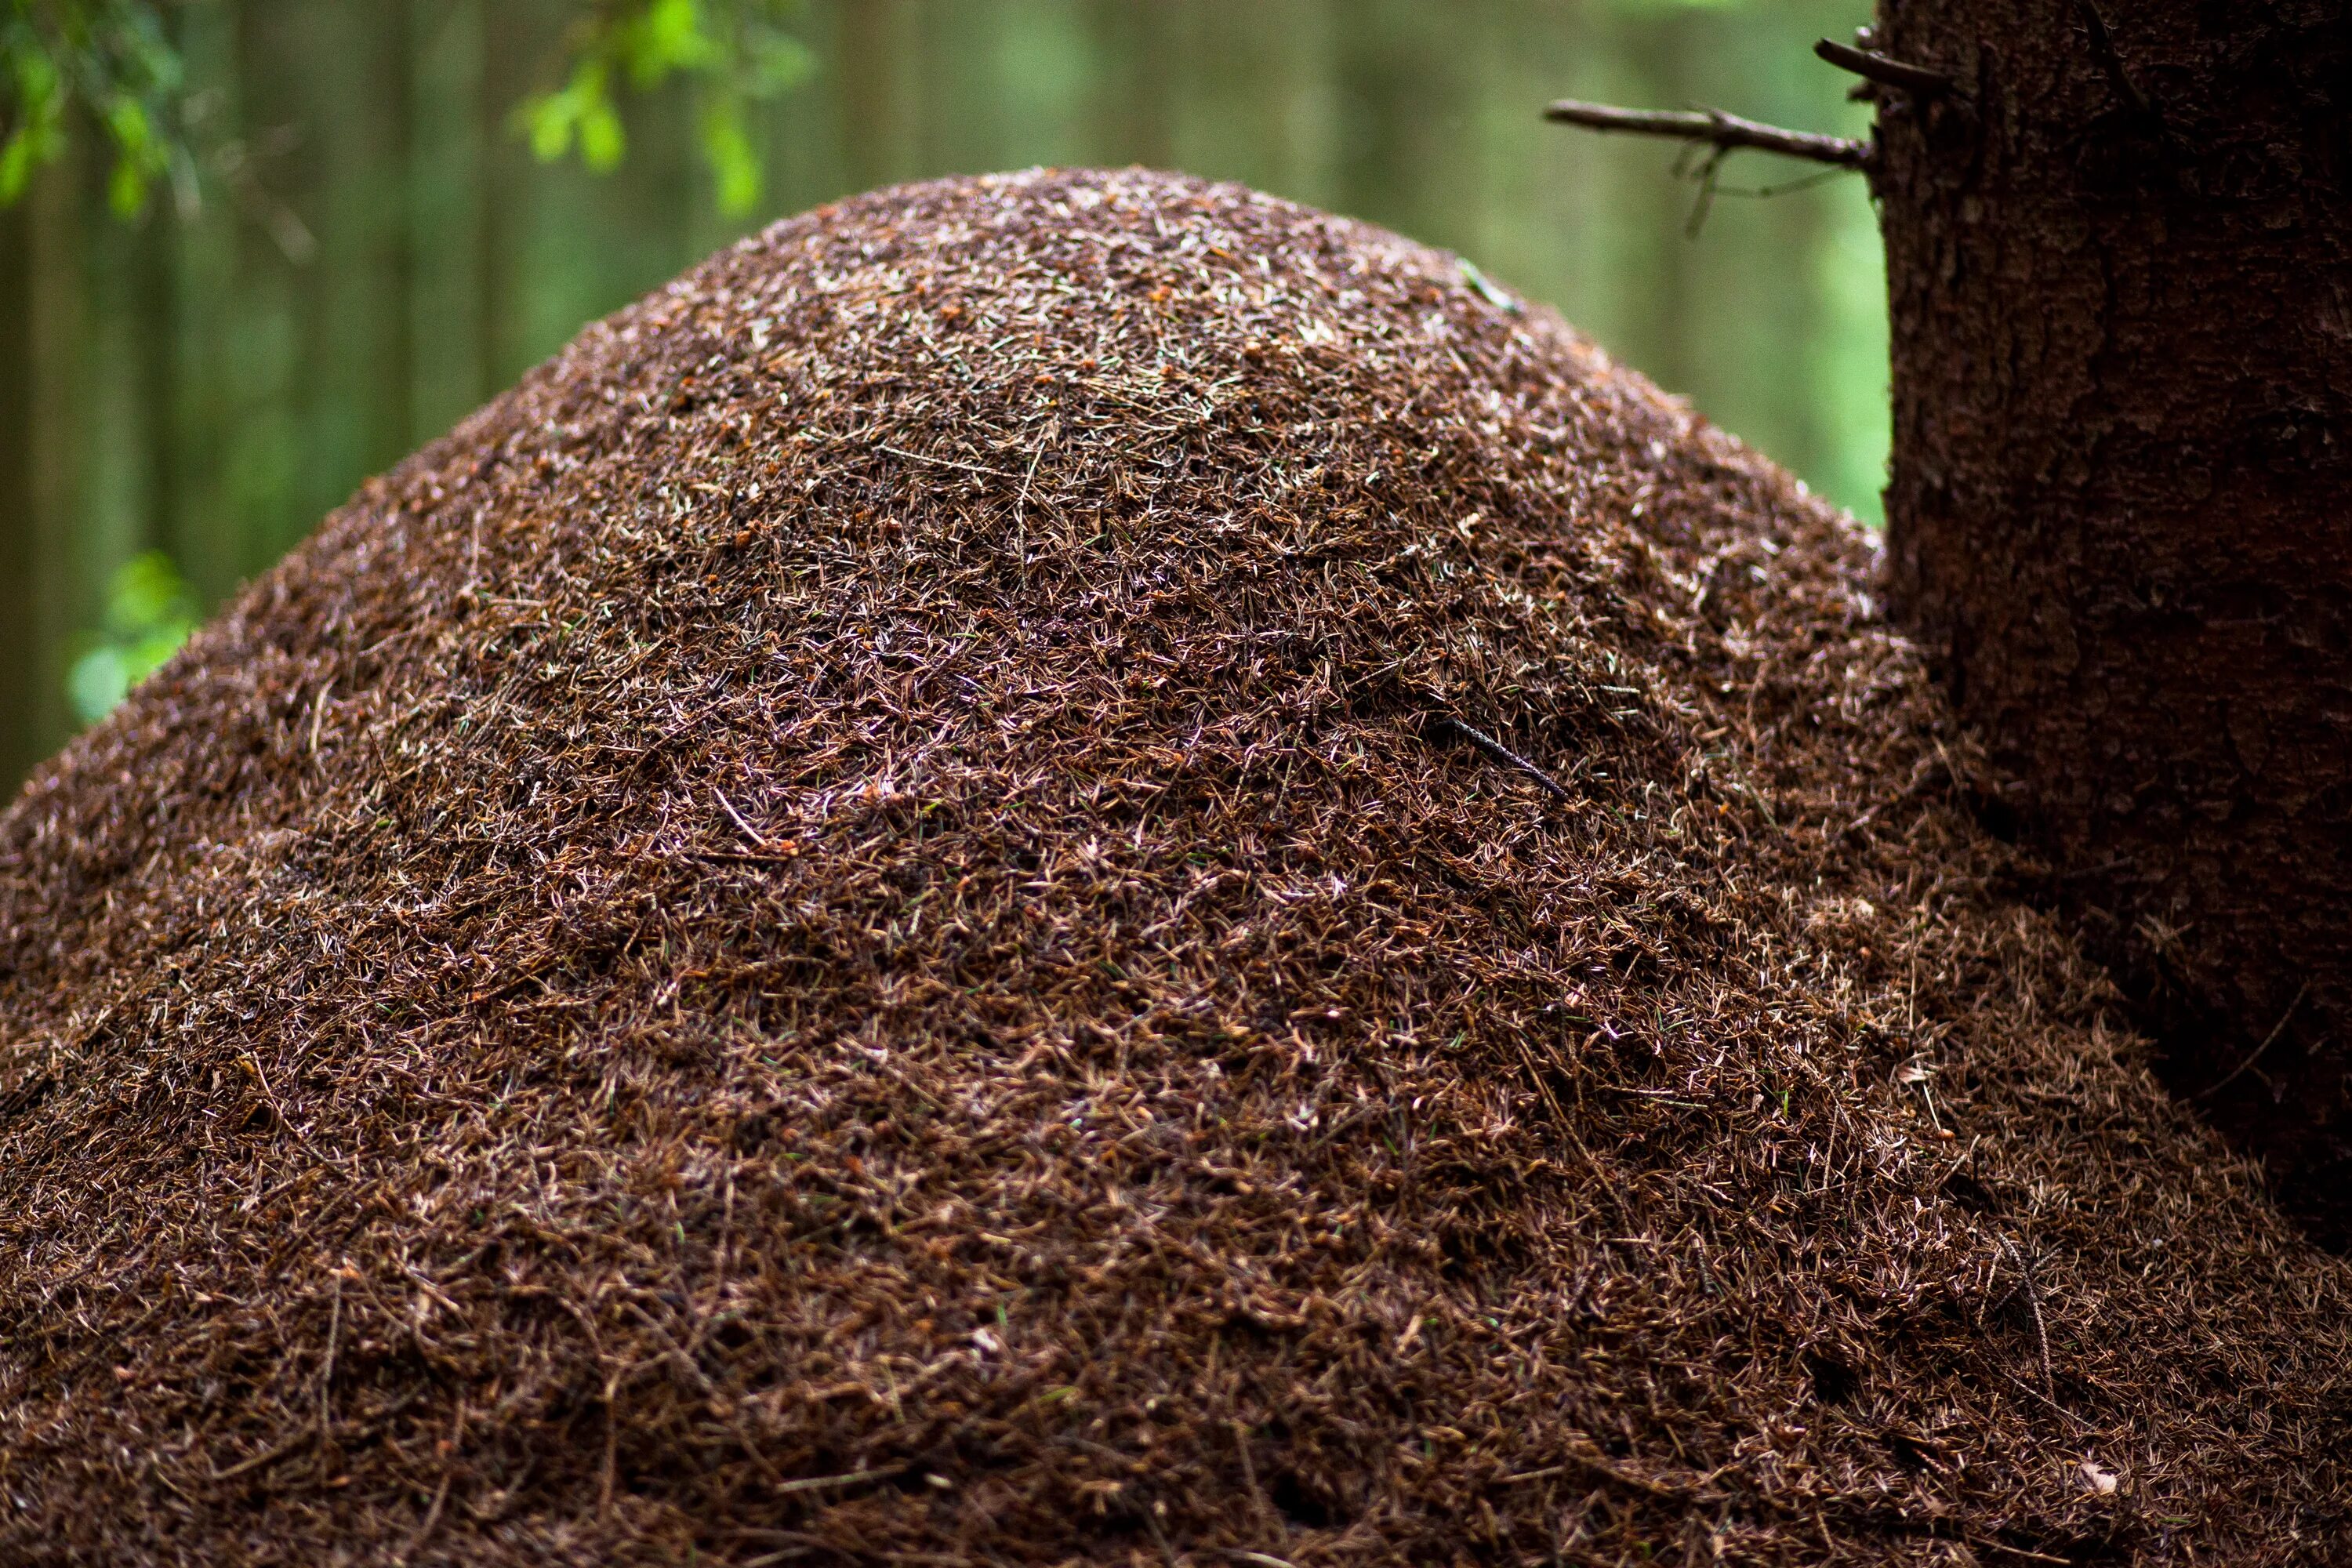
(2111,61)
(1872,65)
(1725,133)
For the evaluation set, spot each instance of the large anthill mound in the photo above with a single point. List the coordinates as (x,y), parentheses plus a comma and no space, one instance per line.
(888,916)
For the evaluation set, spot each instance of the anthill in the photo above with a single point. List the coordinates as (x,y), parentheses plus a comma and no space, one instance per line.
(1087,867)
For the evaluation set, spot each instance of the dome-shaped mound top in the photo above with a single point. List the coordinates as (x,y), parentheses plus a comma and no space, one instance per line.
(1086,868)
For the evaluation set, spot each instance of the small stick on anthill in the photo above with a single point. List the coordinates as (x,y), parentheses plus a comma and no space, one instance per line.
(2034,1302)
(1872,65)
(1504,755)
(759,840)
(1725,133)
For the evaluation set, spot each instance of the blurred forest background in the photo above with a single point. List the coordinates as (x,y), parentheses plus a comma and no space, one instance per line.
(364,243)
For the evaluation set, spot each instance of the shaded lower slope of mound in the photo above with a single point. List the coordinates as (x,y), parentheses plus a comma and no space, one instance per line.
(866,924)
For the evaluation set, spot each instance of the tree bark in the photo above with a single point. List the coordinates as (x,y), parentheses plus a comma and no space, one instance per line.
(2119,258)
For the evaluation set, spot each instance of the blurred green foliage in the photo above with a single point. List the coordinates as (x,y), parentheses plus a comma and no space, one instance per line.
(734,53)
(150,612)
(115,60)
(110,57)
(114,64)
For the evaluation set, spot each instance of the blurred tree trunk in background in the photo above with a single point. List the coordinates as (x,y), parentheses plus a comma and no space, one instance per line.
(1139,77)
(1661,51)
(54,597)
(873,55)
(21,720)
(449,215)
(2121,276)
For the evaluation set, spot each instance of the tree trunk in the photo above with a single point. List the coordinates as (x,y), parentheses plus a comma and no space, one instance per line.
(20,707)
(2119,258)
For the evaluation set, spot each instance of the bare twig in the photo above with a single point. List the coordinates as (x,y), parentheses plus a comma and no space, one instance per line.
(1727,132)
(455,1444)
(1594,1464)
(2034,1302)
(784,856)
(2043,1400)
(1504,755)
(2111,61)
(327,1380)
(268,1456)
(849,1479)
(949,463)
(2210,1090)
(759,840)
(432,1518)
(318,714)
(1872,65)
(1786,187)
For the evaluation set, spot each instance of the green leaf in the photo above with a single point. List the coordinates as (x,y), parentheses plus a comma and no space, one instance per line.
(774,61)
(731,46)
(547,120)
(150,612)
(735,167)
(152,652)
(126,188)
(602,140)
(111,58)
(19,156)
(41,136)
(669,37)
(146,592)
(139,155)
(99,679)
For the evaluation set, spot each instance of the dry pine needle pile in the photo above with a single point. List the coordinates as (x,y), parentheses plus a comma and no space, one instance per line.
(1086,868)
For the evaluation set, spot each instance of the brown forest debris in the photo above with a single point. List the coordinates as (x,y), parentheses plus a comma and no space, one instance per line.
(833,932)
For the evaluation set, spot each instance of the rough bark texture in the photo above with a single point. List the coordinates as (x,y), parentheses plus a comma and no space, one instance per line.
(2120,263)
